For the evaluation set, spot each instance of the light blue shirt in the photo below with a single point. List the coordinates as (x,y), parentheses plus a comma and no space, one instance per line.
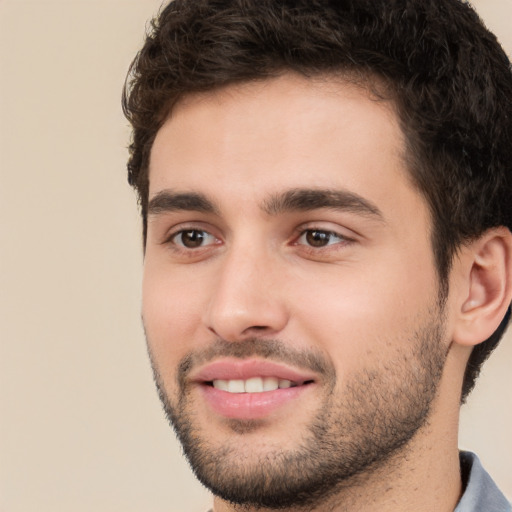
(481,493)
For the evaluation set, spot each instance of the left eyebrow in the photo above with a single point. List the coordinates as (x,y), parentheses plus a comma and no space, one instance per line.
(312,199)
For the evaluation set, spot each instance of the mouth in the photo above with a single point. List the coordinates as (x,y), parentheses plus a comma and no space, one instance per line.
(255,384)
(251,389)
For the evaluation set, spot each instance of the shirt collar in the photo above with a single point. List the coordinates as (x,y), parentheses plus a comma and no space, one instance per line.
(481,492)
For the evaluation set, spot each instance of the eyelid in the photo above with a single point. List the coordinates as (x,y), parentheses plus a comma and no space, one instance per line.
(327,227)
(174,229)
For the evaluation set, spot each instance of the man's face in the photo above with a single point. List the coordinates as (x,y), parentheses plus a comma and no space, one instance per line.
(290,298)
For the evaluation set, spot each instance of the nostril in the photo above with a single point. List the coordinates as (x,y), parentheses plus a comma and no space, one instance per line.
(255,330)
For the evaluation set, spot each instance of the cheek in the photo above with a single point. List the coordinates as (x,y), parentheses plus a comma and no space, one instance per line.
(365,313)
(171,313)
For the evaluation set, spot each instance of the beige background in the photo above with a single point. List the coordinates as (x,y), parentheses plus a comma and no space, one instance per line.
(81,426)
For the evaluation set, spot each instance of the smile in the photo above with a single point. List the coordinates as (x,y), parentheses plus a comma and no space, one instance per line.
(252,388)
(253,385)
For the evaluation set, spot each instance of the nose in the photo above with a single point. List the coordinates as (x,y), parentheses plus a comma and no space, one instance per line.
(248,297)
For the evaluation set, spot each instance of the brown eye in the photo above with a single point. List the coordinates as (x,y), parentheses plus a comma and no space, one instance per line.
(319,238)
(193,238)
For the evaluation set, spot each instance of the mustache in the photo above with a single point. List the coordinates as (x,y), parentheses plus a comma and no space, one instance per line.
(273,349)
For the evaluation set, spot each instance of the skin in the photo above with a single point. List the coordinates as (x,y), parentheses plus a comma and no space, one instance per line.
(358,301)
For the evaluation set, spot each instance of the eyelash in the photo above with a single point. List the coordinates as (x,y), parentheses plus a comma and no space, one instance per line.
(325,233)
(174,236)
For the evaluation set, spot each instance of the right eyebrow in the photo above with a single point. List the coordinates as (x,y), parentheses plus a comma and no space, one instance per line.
(312,199)
(169,201)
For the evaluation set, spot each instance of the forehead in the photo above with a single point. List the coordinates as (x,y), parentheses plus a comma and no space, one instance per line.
(255,139)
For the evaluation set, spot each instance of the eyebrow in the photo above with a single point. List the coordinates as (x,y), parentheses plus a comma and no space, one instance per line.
(168,201)
(312,199)
(295,200)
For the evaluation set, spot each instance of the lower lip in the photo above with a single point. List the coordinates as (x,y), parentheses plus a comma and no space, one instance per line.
(250,406)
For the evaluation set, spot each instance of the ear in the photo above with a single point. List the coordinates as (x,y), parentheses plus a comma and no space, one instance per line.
(486,286)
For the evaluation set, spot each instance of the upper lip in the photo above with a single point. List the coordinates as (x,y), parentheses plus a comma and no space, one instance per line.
(243,369)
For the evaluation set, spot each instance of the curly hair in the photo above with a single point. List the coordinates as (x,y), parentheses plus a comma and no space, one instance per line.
(449,78)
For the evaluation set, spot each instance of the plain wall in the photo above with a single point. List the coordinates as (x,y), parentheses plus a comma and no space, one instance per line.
(81,427)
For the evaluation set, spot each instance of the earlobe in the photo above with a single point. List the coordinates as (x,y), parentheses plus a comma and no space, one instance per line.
(487,268)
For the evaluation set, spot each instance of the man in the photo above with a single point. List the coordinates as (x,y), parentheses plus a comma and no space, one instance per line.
(325,191)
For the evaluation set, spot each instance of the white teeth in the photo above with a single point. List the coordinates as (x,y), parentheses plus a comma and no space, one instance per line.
(270,384)
(221,384)
(252,385)
(236,386)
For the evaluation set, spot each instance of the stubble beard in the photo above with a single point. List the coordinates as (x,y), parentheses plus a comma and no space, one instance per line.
(352,435)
